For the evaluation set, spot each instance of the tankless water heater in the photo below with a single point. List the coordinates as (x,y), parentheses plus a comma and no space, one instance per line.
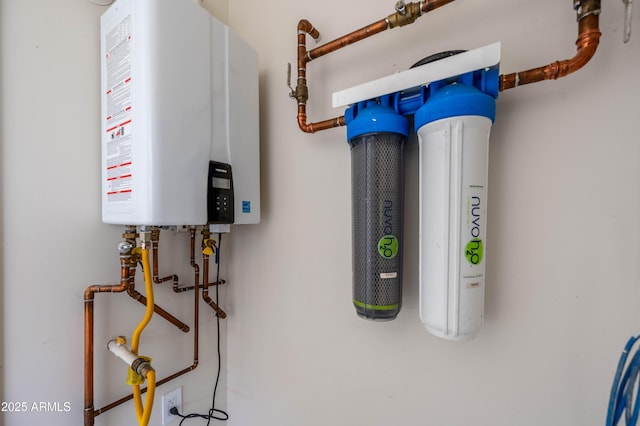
(180,141)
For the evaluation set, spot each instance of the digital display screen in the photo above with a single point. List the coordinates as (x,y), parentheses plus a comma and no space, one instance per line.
(220,183)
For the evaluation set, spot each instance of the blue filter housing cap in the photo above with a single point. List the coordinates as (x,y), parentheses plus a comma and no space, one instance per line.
(373,117)
(455,100)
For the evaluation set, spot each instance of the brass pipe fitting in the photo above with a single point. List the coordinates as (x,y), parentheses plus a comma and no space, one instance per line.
(130,233)
(301,94)
(585,8)
(145,237)
(405,16)
(155,233)
(141,366)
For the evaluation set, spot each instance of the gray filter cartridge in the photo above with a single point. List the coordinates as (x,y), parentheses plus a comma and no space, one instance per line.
(377,135)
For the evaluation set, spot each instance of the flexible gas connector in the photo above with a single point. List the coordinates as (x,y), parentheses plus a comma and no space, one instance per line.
(143,414)
(140,368)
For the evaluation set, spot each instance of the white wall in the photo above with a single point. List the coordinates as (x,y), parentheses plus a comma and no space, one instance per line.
(562,274)
(562,286)
(54,244)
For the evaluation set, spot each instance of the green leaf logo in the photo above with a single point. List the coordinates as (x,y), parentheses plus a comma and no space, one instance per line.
(474,251)
(388,246)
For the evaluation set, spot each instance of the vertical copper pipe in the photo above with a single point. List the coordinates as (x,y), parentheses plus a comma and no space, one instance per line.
(196,295)
(192,259)
(205,292)
(176,287)
(89,295)
(587,43)
(155,238)
(88,360)
(408,15)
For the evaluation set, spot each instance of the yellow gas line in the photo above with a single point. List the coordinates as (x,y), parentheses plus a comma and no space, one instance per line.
(143,414)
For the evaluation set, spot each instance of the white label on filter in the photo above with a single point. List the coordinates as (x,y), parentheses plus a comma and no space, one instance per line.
(388,275)
(473,235)
(119,152)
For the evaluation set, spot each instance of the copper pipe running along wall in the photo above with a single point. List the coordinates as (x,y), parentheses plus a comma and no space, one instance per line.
(155,243)
(196,334)
(89,295)
(407,15)
(205,271)
(126,281)
(134,294)
(155,238)
(587,43)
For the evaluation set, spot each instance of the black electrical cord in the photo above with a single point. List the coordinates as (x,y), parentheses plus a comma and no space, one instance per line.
(222,415)
(214,410)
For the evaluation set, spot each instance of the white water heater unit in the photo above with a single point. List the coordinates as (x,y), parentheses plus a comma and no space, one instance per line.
(180,138)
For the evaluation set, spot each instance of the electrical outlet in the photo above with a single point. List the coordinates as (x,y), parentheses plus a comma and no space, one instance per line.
(170,400)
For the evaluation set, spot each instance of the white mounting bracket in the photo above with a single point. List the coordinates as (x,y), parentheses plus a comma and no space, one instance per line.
(477,59)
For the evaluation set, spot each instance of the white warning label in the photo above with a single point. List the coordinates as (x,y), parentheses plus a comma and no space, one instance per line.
(118,114)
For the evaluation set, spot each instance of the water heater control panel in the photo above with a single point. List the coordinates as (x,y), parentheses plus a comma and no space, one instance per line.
(220,195)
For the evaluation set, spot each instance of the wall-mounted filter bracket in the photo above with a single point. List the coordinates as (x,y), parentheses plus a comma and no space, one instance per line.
(408,101)
(485,58)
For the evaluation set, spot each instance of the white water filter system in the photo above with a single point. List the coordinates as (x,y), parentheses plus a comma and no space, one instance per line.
(452,96)
(453,129)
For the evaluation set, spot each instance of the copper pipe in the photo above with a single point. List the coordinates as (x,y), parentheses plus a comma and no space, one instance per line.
(134,294)
(429,5)
(304,57)
(196,301)
(144,390)
(192,260)
(176,287)
(409,13)
(316,127)
(90,414)
(353,37)
(89,295)
(131,291)
(587,43)
(195,265)
(205,296)
(205,292)
(155,238)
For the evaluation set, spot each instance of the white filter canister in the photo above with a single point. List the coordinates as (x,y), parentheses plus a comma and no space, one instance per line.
(454,155)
